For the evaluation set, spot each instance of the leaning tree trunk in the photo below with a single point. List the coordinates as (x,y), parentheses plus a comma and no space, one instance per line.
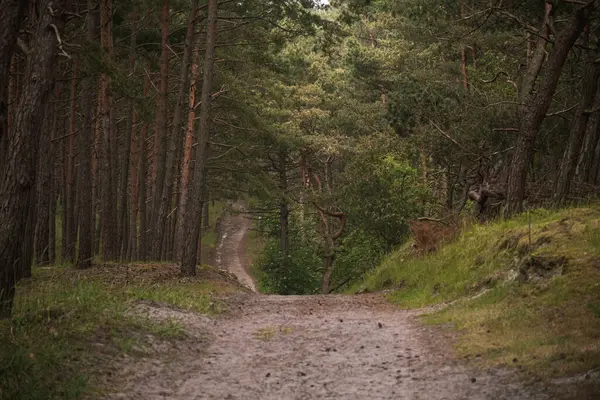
(537,108)
(566,173)
(193,212)
(161,226)
(18,176)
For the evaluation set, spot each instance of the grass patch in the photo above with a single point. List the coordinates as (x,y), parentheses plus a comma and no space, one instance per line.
(518,296)
(66,323)
(269,332)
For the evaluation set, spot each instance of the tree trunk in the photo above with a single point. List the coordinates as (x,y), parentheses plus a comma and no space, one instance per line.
(537,108)
(589,84)
(160,228)
(160,144)
(143,176)
(108,204)
(193,212)
(44,188)
(592,138)
(11,15)
(187,167)
(85,146)
(124,223)
(18,178)
(69,199)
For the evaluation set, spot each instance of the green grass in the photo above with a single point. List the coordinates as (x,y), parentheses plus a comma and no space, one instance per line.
(66,323)
(549,321)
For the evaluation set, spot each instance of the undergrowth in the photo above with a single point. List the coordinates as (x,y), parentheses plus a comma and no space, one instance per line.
(66,323)
(522,292)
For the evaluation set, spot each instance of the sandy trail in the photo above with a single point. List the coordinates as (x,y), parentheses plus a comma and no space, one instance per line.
(310,347)
(229,252)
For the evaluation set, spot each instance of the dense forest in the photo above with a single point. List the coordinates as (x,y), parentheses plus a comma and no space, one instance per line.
(342,126)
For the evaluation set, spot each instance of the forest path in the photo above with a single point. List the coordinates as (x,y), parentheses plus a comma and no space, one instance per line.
(314,347)
(308,347)
(230,253)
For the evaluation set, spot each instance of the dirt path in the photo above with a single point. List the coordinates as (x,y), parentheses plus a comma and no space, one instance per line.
(311,347)
(229,252)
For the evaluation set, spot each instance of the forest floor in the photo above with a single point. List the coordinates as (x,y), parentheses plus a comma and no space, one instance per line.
(310,347)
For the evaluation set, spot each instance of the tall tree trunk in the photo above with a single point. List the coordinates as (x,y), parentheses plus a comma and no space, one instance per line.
(143,178)
(108,204)
(589,84)
(160,143)
(69,200)
(18,178)
(132,241)
(123,220)
(11,15)
(53,179)
(160,227)
(85,146)
(193,212)
(42,234)
(537,108)
(187,166)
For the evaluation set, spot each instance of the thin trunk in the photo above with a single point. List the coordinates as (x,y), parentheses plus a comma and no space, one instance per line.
(193,212)
(109,225)
(18,178)
(53,181)
(124,222)
(537,108)
(143,176)
(187,167)
(160,144)
(566,173)
(69,200)
(161,225)
(85,146)
(44,189)
(132,242)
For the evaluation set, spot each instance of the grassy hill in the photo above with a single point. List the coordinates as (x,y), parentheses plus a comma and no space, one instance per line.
(522,292)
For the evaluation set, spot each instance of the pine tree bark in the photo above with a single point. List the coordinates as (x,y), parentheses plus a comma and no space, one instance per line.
(160,143)
(18,177)
(70,192)
(12,13)
(187,166)
(42,234)
(537,108)
(124,223)
(589,85)
(592,139)
(161,226)
(143,178)
(193,212)
(108,203)
(85,154)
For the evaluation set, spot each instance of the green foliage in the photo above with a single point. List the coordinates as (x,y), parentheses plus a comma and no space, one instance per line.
(380,192)
(299,272)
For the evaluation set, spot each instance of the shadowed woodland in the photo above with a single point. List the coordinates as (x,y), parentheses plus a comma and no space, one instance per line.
(120,123)
(342,130)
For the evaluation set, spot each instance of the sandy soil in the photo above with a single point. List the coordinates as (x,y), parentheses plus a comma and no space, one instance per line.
(311,347)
